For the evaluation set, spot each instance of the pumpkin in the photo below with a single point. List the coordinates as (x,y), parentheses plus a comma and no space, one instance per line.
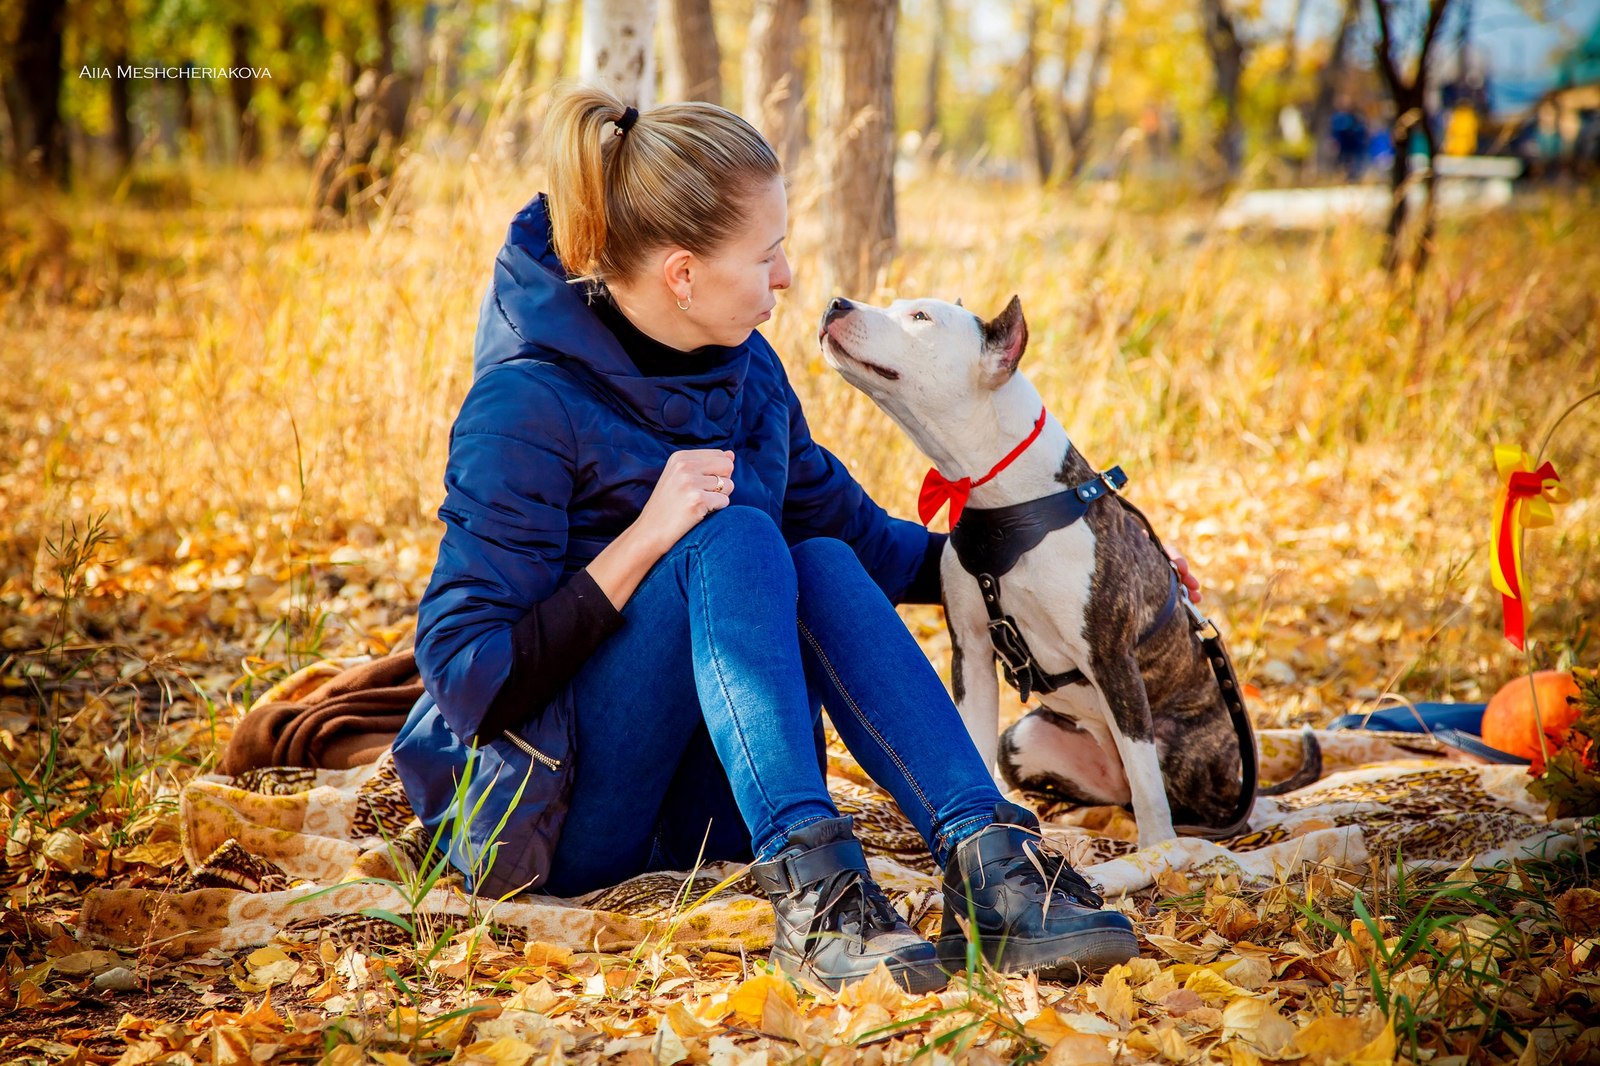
(1509,722)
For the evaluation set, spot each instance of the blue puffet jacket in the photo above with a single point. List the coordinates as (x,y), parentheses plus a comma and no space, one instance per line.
(556,449)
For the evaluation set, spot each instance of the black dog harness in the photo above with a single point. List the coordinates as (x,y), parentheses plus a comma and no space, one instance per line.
(988,541)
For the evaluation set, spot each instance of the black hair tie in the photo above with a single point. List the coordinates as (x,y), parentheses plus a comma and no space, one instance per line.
(625,123)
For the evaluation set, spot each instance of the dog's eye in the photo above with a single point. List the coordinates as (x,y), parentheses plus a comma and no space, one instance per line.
(921,316)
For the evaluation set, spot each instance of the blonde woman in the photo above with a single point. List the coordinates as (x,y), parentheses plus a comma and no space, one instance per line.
(652,579)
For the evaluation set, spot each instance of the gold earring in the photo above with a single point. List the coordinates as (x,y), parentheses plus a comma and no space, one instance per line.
(683,305)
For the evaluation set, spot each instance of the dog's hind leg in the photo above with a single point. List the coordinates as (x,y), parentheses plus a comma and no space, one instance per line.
(1051,754)
(1116,676)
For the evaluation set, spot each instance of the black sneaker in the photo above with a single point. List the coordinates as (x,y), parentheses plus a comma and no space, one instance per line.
(1028,909)
(835,925)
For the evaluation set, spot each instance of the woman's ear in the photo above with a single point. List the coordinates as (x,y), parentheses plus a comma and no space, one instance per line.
(677,271)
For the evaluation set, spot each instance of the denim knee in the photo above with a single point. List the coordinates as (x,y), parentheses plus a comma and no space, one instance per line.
(739,527)
(824,553)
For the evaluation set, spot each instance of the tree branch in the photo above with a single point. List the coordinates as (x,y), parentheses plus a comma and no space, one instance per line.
(1384,50)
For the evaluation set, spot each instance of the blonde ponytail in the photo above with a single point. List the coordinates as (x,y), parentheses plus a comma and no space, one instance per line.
(679,176)
(576,158)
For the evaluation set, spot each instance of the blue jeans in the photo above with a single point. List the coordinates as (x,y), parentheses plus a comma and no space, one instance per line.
(697,721)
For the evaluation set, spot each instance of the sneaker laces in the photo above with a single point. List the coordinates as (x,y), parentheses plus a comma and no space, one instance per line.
(862,905)
(1053,873)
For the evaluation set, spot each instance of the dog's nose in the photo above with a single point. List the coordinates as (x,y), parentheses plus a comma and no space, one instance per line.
(836,307)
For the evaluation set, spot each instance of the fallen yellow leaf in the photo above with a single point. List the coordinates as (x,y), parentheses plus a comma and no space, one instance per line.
(1212,987)
(1346,1040)
(538,953)
(82,962)
(780,1016)
(538,997)
(749,1000)
(1080,1050)
(685,1023)
(1113,997)
(1177,950)
(669,1048)
(270,966)
(1258,1023)
(161,854)
(879,988)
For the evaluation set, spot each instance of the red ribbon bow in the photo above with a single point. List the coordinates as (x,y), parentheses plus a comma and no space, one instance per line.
(1524,503)
(938,490)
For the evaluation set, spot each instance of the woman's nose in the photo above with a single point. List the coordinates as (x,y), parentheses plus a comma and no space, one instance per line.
(781,276)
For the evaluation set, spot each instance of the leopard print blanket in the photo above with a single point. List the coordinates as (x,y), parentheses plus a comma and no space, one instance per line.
(313,851)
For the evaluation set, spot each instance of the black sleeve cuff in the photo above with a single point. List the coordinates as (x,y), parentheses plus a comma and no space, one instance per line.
(924,587)
(548,645)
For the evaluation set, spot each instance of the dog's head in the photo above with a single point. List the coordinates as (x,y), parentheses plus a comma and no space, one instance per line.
(928,353)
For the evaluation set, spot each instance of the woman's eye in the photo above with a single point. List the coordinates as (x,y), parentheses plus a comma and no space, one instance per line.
(920,316)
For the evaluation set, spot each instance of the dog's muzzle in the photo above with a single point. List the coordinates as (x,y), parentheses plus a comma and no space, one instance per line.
(838,307)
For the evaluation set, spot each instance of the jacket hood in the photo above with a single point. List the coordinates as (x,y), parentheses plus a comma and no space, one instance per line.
(534,312)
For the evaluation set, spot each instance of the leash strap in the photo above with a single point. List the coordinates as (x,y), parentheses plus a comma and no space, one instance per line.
(1222,665)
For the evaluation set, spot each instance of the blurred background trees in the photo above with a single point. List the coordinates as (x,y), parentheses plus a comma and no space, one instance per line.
(1206,95)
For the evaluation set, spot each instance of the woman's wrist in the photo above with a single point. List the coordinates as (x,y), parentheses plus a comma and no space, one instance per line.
(622,564)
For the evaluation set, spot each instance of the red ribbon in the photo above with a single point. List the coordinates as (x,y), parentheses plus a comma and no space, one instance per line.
(1521,485)
(938,490)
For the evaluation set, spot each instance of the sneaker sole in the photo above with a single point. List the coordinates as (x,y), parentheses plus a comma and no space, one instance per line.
(915,979)
(1070,958)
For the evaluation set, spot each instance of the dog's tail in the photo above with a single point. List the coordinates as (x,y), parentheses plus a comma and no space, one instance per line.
(1310,767)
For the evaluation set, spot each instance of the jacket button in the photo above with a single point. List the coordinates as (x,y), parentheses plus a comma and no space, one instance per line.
(677,411)
(717,402)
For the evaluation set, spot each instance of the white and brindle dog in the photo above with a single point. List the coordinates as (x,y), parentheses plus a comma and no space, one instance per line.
(1134,708)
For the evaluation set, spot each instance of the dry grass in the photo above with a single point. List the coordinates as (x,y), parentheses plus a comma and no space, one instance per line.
(233,388)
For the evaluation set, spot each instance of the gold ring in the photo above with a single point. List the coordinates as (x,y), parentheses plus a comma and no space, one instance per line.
(719,484)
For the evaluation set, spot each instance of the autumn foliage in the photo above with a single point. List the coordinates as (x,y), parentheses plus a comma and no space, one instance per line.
(224,436)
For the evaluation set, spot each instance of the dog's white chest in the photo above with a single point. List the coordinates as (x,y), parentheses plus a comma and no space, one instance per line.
(1047,594)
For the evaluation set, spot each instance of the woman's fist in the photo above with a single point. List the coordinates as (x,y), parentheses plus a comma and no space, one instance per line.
(695,482)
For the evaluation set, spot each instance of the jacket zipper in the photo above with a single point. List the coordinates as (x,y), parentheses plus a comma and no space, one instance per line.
(553,764)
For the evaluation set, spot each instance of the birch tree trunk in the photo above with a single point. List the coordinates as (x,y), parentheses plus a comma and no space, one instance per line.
(1077,123)
(694,58)
(616,49)
(1035,138)
(935,74)
(856,142)
(1227,51)
(774,89)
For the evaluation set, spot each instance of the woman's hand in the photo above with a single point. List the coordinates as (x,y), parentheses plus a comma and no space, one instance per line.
(695,482)
(1190,582)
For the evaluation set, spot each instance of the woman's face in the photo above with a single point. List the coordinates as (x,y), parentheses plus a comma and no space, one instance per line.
(733,292)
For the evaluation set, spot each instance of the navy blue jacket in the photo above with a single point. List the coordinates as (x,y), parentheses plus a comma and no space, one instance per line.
(557,446)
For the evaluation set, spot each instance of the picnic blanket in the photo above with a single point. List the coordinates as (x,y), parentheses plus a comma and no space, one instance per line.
(306,852)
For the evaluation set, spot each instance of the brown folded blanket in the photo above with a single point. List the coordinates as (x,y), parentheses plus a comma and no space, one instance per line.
(348,720)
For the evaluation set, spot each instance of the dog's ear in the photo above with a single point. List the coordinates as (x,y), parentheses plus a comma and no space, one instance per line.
(959,303)
(1004,338)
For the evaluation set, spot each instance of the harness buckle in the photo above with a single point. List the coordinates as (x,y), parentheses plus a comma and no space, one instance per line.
(1105,479)
(1203,625)
(1007,640)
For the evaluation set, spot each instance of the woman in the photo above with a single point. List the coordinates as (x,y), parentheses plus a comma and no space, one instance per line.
(651,579)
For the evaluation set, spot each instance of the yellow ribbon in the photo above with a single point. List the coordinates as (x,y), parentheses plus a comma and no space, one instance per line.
(1525,501)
